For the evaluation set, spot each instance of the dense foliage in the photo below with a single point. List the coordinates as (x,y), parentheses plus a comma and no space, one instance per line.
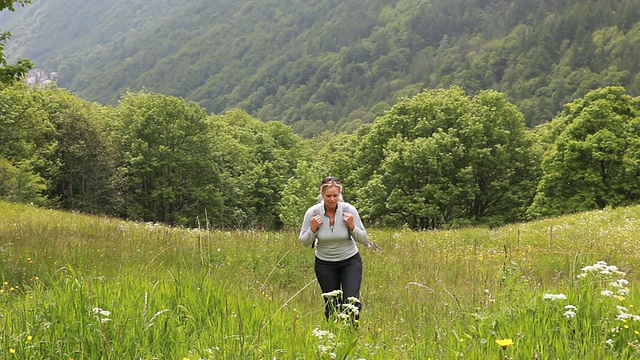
(8,72)
(332,65)
(439,159)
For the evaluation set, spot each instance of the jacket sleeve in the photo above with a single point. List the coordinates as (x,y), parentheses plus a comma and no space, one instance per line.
(359,233)
(307,237)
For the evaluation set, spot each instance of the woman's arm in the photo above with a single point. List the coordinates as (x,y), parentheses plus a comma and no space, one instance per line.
(307,237)
(359,233)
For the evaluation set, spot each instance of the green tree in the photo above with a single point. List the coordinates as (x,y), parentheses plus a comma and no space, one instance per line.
(256,160)
(441,158)
(167,159)
(9,73)
(592,161)
(85,177)
(27,136)
(20,183)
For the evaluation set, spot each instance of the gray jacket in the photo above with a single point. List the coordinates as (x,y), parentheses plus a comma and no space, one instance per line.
(337,243)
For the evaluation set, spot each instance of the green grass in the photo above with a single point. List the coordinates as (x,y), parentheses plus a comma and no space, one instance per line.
(83,287)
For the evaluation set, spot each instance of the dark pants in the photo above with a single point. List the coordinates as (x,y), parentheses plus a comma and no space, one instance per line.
(345,275)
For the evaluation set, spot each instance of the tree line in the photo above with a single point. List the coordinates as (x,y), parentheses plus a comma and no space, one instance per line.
(442,158)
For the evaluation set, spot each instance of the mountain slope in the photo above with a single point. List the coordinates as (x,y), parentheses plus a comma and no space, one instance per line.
(330,64)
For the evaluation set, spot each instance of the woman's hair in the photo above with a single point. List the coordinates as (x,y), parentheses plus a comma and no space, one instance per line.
(329,182)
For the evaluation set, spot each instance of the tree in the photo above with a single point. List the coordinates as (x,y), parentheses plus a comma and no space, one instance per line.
(167,159)
(256,161)
(9,73)
(85,179)
(441,158)
(593,159)
(27,136)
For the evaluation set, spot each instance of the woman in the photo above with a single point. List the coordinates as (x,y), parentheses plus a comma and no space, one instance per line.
(333,226)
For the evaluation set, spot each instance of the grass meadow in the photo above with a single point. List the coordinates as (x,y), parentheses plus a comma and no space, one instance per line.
(85,287)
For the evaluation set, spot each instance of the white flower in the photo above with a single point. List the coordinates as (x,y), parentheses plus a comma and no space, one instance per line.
(621,308)
(623,292)
(606,293)
(351,308)
(555,296)
(320,334)
(571,307)
(353,300)
(97,310)
(332,294)
(569,314)
(609,342)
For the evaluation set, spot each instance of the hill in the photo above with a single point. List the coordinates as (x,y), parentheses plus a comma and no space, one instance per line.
(331,64)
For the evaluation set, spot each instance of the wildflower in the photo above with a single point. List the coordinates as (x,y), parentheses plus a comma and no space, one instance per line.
(571,307)
(321,334)
(555,296)
(98,310)
(29,338)
(504,342)
(606,293)
(351,308)
(623,292)
(12,350)
(353,300)
(621,308)
(609,342)
(323,349)
(569,314)
(332,294)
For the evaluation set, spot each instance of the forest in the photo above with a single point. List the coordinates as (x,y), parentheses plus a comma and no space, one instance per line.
(307,64)
(446,154)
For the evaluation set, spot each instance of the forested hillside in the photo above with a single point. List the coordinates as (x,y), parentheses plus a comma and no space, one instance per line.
(331,64)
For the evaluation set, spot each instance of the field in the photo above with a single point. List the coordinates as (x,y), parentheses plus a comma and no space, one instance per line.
(84,287)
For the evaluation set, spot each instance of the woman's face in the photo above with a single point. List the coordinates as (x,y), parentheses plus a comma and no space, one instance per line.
(331,196)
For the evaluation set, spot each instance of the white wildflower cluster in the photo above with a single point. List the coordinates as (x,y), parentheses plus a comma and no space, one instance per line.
(570,311)
(555,296)
(322,334)
(603,271)
(335,294)
(101,315)
(346,313)
(326,344)
(601,268)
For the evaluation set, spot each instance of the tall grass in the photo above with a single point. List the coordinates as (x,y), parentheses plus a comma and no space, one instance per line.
(83,287)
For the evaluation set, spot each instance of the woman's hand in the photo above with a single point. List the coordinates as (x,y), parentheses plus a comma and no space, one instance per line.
(348,219)
(316,221)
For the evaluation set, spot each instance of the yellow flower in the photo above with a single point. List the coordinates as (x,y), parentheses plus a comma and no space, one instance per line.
(29,338)
(626,326)
(504,342)
(12,350)
(637,332)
